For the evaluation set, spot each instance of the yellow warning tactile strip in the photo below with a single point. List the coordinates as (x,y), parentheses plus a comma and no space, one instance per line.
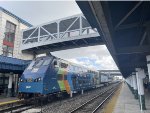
(8,102)
(109,108)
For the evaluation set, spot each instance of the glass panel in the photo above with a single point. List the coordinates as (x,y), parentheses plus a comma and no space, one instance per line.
(7,24)
(46,62)
(60,77)
(63,65)
(65,77)
(4,48)
(5,53)
(10,55)
(10,32)
(13,27)
(38,63)
(10,49)
(31,65)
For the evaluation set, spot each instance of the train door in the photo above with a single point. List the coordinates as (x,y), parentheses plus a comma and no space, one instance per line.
(66,83)
(74,80)
(60,79)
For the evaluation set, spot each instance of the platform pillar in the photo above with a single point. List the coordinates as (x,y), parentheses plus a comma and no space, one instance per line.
(148,65)
(140,76)
(135,85)
(9,94)
(82,92)
(71,94)
(131,80)
(127,80)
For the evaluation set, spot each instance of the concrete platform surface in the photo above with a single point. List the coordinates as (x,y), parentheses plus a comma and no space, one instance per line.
(126,103)
(8,100)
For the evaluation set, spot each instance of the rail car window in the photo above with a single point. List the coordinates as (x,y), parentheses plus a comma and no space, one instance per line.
(63,65)
(55,62)
(46,62)
(74,81)
(65,77)
(71,68)
(60,77)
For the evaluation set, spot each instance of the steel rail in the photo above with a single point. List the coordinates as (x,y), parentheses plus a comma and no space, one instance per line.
(94,111)
(74,110)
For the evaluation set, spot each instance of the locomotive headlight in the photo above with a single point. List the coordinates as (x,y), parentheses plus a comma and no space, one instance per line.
(39,79)
(36,80)
(21,80)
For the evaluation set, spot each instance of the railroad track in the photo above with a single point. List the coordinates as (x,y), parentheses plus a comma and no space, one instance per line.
(16,107)
(94,104)
(21,106)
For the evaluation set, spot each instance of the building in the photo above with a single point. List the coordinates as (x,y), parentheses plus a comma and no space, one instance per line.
(11,27)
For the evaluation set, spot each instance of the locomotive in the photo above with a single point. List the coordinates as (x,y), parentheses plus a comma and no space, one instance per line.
(48,75)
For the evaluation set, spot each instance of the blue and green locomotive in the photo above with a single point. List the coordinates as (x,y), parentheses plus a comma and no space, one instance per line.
(49,74)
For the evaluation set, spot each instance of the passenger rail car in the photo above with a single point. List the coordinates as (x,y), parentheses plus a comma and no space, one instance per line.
(48,75)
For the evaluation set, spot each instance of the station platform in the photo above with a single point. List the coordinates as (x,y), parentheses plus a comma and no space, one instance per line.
(8,100)
(126,103)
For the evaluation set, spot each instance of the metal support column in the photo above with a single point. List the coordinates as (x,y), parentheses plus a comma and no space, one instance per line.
(140,76)
(82,92)
(148,65)
(132,88)
(71,94)
(9,94)
(135,85)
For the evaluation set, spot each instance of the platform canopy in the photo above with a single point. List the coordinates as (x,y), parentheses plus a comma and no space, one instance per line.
(12,65)
(125,29)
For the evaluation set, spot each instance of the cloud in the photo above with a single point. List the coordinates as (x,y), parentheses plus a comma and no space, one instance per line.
(43,11)
(96,57)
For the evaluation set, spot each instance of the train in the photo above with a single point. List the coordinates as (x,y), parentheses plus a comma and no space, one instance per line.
(51,75)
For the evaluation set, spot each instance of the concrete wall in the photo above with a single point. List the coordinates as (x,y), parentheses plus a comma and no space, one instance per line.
(18,36)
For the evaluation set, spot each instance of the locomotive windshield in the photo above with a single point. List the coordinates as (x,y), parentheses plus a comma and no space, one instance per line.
(46,62)
(39,62)
(31,65)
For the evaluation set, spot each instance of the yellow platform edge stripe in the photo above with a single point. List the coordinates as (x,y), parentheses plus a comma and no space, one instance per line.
(8,102)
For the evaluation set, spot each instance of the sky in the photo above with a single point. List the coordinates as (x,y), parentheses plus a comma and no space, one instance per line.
(97,57)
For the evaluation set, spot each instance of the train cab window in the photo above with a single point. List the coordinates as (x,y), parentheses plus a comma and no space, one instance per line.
(39,63)
(31,65)
(47,62)
(63,65)
(56,64)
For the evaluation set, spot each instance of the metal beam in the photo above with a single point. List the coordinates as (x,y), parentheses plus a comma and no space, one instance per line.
(143,38)
(115,74)
(109,70)
(127,26)
(129,65)
(128,14)
(41,51)
(133,50)
(85,41)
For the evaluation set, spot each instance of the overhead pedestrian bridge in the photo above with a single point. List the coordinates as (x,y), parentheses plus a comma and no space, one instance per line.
(66,33)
